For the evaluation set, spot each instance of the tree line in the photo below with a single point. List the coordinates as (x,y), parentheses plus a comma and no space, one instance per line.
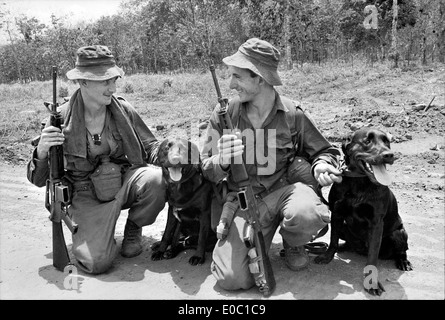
(153,36)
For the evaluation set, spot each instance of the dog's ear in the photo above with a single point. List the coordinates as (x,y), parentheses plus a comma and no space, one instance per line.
(346,142)
(345,146)
(193,153)
(162,150)
(389,136)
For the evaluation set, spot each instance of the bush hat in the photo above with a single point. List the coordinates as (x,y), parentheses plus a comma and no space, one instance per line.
(258,56)
(94,63)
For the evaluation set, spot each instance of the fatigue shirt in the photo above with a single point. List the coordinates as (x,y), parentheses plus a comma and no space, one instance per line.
(122,121)
(286,119)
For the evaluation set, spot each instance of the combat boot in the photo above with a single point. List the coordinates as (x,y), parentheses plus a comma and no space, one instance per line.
(296,257)
(132,243)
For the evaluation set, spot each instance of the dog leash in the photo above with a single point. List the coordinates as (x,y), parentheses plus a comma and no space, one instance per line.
(311,248)
(315,247)
(321,247)
(345,172)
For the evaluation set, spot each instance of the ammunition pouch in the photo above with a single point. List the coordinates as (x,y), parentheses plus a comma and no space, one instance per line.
(254,266)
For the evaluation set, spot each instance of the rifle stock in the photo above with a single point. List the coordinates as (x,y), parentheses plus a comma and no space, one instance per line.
(57,195)
(254,239)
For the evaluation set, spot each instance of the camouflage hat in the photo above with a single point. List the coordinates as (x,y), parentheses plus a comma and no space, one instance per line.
(258,56)
(95,63)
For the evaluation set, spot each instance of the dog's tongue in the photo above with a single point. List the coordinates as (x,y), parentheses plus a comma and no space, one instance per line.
(175,173)
(381,175)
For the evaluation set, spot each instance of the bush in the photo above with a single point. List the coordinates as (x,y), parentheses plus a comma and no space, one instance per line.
(128,87)
(63,90)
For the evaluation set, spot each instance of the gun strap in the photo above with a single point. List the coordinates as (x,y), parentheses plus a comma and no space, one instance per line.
(220,195)
(301,140)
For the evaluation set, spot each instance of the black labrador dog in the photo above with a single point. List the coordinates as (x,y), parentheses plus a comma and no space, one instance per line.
(189,197)
(364,209)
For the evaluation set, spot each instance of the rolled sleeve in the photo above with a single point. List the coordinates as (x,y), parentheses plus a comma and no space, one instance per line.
(317,147)
(213,171)
(37,170)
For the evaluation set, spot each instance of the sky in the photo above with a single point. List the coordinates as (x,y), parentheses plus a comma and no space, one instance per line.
(76,10)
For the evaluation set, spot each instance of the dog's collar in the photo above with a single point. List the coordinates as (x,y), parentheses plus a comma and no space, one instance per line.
(351,174)
(348,173)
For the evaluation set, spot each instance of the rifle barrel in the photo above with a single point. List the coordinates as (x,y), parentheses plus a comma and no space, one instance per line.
(54,73)
(215,81)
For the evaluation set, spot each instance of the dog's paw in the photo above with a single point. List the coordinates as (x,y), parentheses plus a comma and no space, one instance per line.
(404,265)
(173,252)
(196,260)
(376,290)
(155,246)
(169,254)
(157,255)
(324,258)
(371,283)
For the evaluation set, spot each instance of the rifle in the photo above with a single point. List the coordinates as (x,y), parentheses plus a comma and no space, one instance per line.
(260,265)
(57,197)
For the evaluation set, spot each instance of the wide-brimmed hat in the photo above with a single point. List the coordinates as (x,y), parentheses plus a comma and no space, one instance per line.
(259,56)
(95,63)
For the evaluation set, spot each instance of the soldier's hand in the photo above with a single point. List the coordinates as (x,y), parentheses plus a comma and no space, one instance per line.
(229,146)
(51,136)
(326,174)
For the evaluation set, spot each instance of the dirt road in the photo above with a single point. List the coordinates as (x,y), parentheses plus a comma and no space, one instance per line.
(27,272)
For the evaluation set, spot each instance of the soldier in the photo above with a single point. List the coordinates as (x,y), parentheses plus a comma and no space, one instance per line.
(284,186)
(107,149)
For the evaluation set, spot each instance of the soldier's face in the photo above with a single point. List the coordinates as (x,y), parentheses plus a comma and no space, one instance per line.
(243,82)
(100,91)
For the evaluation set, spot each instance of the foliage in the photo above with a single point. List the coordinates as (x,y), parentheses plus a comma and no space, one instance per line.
(159,36)
(353,16)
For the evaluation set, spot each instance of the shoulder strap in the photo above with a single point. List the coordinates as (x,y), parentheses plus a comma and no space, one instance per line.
(234,110)
(295,115)
(300,145)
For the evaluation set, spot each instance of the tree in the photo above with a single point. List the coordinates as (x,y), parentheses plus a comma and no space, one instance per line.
(352,17)
(394,53)
(14,50)
(286,32)
(163,35)
(30,28)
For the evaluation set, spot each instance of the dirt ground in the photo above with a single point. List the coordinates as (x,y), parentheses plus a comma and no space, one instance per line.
(26,270)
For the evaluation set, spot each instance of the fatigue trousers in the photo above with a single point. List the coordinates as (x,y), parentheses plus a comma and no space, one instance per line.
(295,208)
(143,192)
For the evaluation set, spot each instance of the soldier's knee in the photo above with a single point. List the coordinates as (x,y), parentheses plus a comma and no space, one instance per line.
(93,262)
(96,266)
(231,279)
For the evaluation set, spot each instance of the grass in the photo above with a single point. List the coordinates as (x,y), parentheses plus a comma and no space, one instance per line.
(181,100)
